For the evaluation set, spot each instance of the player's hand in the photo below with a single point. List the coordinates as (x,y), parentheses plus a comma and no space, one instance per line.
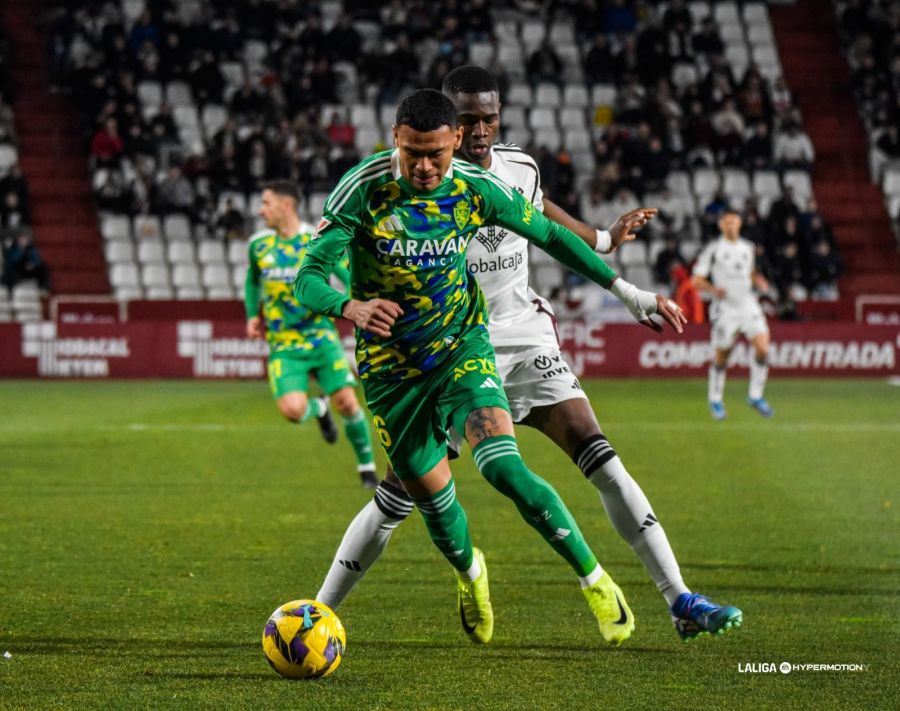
(670,311)
(762,284)
(622,230)
(254,327)
(377,315)
(718,292)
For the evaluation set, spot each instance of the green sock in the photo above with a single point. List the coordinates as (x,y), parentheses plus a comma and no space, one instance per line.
(315,407)
(446,522)
(497,458)
(357,430)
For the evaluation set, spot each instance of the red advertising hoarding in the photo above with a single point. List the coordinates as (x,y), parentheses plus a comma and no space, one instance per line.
(218,349)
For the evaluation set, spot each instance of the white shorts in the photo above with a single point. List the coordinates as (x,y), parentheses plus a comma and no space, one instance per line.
(534,378)
(728,324)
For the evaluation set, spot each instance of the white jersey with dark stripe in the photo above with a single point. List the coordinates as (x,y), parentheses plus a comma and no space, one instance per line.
(498,258)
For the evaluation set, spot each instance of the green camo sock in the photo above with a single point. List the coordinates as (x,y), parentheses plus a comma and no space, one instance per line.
(357,430)
(497,458)
(446,522)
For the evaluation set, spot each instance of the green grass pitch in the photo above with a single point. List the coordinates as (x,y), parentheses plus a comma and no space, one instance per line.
(147,529)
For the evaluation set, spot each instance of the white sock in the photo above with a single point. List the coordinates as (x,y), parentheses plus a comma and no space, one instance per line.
(631,515)
(364,541)
(759,373)
(716,383)
(473,571)
(591,577)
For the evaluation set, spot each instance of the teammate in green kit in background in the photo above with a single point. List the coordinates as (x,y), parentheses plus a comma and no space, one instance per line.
(301,342)
(424,356)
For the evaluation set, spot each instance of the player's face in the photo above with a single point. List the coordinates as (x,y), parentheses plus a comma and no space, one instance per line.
(479,116)
(425,155)
(730,225)
(272,209)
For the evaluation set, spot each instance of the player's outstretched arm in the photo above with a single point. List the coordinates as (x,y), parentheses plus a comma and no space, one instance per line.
(311,287)
(514,212)
(601,241)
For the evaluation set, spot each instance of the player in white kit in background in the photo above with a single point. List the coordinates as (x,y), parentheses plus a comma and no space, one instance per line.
(543,392)
(726,268)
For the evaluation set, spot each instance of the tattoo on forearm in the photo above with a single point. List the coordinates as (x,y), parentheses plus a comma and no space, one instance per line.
(481,424)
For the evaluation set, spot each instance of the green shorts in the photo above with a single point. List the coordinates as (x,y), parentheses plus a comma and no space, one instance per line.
(289,370)
(411,416)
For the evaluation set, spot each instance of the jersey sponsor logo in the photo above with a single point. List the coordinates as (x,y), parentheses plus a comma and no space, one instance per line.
(461,213)
(527,213)
(285,274)
(491,237)
(484,366)
(421,248)
(496,264)
(552,366)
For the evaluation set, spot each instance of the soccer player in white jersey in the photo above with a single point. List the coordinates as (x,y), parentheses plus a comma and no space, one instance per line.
(726,268)
(543,392)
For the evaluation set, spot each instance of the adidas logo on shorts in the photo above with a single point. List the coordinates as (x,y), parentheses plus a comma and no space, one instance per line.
(488,383)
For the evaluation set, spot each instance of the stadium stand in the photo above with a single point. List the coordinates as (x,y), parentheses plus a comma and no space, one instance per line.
(681,105)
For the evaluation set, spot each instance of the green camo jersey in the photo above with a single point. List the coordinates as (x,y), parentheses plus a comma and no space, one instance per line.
(410,248)
(272,268)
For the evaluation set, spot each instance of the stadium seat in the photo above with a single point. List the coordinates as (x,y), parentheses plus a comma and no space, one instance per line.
(220,293)
(765,55)
(542,119)
(146,227)
(155,275)
(178,93)
(572,119)
(481,53)
(213,117)
(513,117)
(584,162)
(548,137)
(760,35)
(150,94)
(185,275)
(186,117)
(387,115)
(766,182)
(189,293)
(161,292)
(699,10)
(151,251)
(119,252)
(576,140)
(690,249)
(8,156)
(216,275)
(683,75)
(367,138)
(316,206)
(115,227)
(509,56)
(679,182)
(706,181)
(239,201)
(632,253)
(656,246)
(547,95)
(519,95)
(736,184)
(506,30)
(562,34)
(519,137)
(533,33)
(738,59)
(726,12)
(732,34)
(891,183)
(181,252)
(800,182)
(237,253)
(233,72)
(603,95)
(255,53)
(576,96)
(641,276)
(756,13)
(363,116)
(210,252)
(177,227)
(124,275)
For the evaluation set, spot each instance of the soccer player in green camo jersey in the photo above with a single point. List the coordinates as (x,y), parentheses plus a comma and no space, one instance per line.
(524,337)
(301,342)
(423,352)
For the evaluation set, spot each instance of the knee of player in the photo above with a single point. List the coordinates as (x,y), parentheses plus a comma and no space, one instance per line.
(345,402)
(294,410)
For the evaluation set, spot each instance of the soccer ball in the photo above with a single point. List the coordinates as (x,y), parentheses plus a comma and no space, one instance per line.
(304,639)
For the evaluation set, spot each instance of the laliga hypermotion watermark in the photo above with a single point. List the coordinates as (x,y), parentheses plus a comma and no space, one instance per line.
(789,667)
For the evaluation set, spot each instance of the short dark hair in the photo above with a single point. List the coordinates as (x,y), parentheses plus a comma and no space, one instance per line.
(426,110)
(285,188)
(470,79)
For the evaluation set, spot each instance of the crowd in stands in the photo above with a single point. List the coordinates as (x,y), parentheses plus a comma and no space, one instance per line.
(870,33)
(189,106)
(20,259)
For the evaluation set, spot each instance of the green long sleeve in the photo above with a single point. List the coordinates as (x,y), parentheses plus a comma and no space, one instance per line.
(251,289)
